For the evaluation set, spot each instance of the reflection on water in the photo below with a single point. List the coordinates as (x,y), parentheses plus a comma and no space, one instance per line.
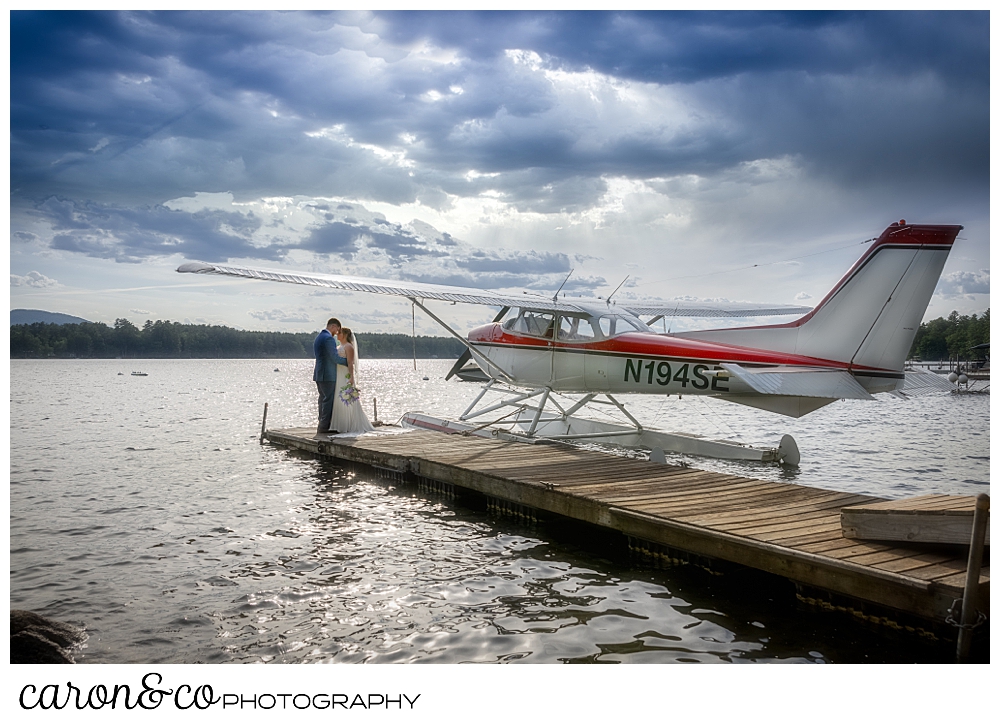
(144,509)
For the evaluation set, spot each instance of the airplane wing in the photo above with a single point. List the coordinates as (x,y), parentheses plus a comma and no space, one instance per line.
(467,295)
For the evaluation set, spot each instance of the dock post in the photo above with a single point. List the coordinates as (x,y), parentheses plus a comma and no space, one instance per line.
(263,424)
(969,613)
(375,405)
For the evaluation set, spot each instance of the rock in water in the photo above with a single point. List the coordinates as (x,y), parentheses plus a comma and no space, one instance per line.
(35,639)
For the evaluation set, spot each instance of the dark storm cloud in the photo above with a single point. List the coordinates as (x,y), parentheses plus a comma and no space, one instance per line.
(688,47)
(131,234)
(864,98)
(337,237)
(153,106)
(334,238)
(123,111)
(177,98)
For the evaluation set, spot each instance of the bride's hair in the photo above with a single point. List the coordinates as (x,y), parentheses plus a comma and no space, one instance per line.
(348,334)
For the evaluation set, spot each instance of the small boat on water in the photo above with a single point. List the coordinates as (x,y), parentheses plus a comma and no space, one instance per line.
(140,374)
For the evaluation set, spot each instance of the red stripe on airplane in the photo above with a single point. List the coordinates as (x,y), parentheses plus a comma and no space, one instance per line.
(654,345)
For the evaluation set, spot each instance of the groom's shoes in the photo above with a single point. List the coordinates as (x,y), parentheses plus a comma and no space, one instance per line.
(321,431)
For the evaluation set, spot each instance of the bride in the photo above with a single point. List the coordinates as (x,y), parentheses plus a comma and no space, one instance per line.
(347,413)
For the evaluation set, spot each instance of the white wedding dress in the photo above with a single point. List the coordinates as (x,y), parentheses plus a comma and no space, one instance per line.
(348,415)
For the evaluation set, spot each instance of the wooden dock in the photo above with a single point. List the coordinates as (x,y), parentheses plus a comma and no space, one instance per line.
(781,528)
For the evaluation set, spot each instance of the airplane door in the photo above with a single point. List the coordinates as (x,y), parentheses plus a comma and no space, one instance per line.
(533,362)
(598,366)
(569,358)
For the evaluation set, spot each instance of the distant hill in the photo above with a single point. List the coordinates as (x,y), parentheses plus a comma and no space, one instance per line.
(30,316)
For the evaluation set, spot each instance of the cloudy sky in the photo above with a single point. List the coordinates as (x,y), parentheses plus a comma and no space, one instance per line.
(728,156)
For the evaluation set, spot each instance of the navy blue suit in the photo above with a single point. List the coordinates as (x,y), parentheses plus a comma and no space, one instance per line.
(325,375)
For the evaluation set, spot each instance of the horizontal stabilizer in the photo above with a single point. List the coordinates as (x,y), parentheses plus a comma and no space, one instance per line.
(922,382)
(712,309)
(830,384)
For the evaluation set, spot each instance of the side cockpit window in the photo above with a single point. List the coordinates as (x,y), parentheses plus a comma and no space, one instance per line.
(576,329)
(532,324)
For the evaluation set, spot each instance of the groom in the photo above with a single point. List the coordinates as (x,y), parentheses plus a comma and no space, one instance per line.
(325,372)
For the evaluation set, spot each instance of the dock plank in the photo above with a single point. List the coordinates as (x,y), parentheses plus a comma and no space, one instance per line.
(773,505)
(842,547)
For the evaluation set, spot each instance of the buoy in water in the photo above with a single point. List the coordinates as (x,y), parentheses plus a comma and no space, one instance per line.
(963,380)
(953,378)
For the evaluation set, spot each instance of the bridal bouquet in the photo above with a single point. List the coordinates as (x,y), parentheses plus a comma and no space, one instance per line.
(349,394)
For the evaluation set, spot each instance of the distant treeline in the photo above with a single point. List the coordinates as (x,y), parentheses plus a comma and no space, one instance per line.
(165,339)
(938,339)
(942,339)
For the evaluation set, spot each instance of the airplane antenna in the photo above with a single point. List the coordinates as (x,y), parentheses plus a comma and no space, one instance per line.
(608,300)
(554,296)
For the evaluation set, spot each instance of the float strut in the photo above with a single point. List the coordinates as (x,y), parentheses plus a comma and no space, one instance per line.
(538,414)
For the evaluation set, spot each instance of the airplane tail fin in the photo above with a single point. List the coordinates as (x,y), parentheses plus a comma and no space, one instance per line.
(869,319)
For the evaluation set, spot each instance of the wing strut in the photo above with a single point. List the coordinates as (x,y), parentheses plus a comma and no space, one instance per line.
(461,339)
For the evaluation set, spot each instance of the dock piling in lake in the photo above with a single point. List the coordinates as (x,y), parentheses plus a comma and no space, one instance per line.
(970,616)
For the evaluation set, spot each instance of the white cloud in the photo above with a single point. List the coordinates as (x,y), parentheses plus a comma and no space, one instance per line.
(802,296)
(965,282)
(140,311)
(32,279)
(279,315)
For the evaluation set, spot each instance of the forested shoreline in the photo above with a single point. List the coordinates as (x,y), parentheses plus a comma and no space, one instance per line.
(939,339)
(950,337)
(167,340)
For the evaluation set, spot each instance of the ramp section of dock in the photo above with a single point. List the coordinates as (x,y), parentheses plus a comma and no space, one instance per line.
(781,528)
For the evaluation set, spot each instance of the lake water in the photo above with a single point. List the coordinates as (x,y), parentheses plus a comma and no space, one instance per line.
(144,509)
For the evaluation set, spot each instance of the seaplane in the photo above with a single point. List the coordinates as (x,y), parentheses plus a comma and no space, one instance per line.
(555,356)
